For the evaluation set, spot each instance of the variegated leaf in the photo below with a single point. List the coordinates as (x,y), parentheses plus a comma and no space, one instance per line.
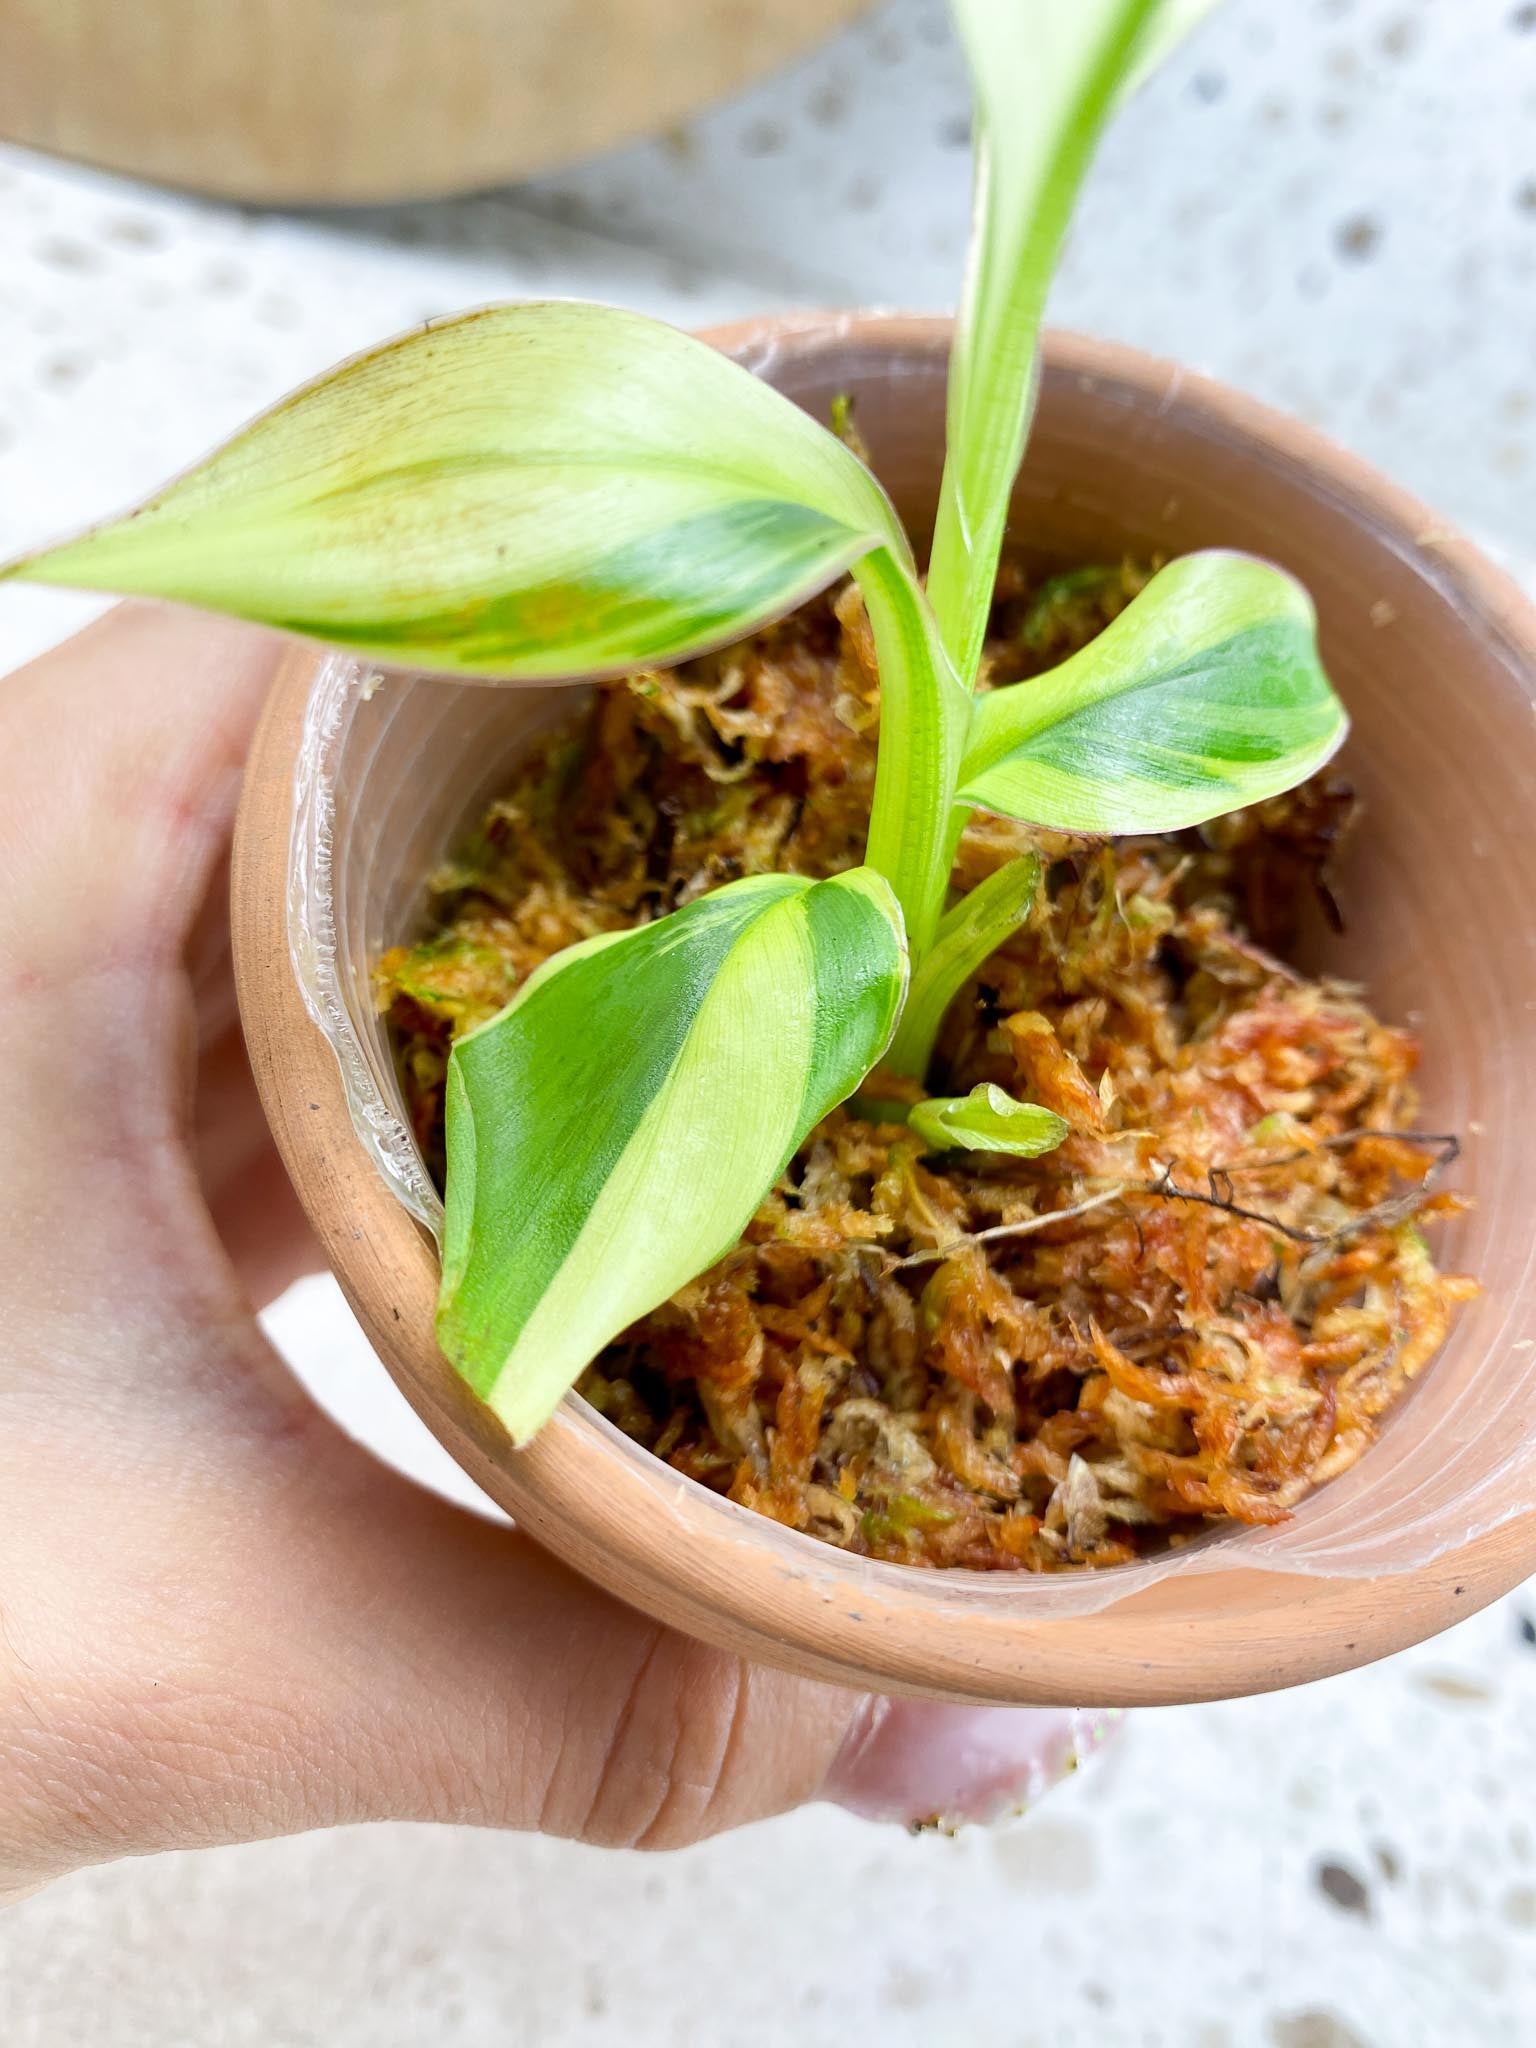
(611,1132)
(1206,693)
(529,491)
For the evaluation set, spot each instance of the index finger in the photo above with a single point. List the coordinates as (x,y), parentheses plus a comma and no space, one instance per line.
(120,761)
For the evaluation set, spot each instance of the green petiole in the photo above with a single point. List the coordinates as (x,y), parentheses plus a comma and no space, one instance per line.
(924,728)
(967,936)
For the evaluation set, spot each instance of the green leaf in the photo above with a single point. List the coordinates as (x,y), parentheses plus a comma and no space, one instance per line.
(611,1132)
(966,938)
(1170,24)
(529,491)
(1046,77)
(1205,694)
(987,1120)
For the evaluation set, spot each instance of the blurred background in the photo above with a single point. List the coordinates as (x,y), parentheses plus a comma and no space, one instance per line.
(1329,202)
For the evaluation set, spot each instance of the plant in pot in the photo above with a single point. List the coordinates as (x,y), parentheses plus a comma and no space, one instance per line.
(985,1196)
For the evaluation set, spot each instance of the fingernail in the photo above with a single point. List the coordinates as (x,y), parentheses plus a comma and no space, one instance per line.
(924,1765)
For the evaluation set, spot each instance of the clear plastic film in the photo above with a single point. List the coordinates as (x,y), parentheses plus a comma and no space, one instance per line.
(1440,930)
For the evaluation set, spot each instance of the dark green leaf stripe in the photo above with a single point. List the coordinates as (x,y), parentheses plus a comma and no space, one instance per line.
(670,594)
(611,1132)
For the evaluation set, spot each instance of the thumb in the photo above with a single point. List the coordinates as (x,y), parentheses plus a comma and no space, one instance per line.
(357,1649)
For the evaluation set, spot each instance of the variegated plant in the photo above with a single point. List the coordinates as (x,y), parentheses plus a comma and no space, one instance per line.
(545,491)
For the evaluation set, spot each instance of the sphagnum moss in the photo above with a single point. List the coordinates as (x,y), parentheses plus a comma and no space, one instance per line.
(1062,1395)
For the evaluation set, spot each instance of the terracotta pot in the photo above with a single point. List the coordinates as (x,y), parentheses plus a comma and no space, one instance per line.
(1432,650)
(326,100)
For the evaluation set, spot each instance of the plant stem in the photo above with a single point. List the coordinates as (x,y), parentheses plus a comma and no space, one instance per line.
(965,939)
(1030,161)
(1046,78)
(924,723)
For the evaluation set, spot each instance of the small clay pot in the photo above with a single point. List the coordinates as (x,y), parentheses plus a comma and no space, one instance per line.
(1433,651)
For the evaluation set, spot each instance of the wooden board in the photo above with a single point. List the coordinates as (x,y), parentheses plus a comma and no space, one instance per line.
(354,100)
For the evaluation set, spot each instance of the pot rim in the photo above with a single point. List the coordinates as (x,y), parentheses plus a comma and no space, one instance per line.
(698,1561)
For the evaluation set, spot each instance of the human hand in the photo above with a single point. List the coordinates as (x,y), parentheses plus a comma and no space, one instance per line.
(221,1619)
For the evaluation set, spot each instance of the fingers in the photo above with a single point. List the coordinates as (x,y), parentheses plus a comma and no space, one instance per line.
(264,1231)
(533,1700)
(120,761)
(256,1214)
(369,1652)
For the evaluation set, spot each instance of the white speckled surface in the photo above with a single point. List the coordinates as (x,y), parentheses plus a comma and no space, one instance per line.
(1332,202)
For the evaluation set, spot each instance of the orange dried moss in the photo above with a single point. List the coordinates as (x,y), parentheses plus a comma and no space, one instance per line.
(907,1355)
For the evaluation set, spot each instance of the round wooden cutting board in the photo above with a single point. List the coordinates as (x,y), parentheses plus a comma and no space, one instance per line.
(356,100)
